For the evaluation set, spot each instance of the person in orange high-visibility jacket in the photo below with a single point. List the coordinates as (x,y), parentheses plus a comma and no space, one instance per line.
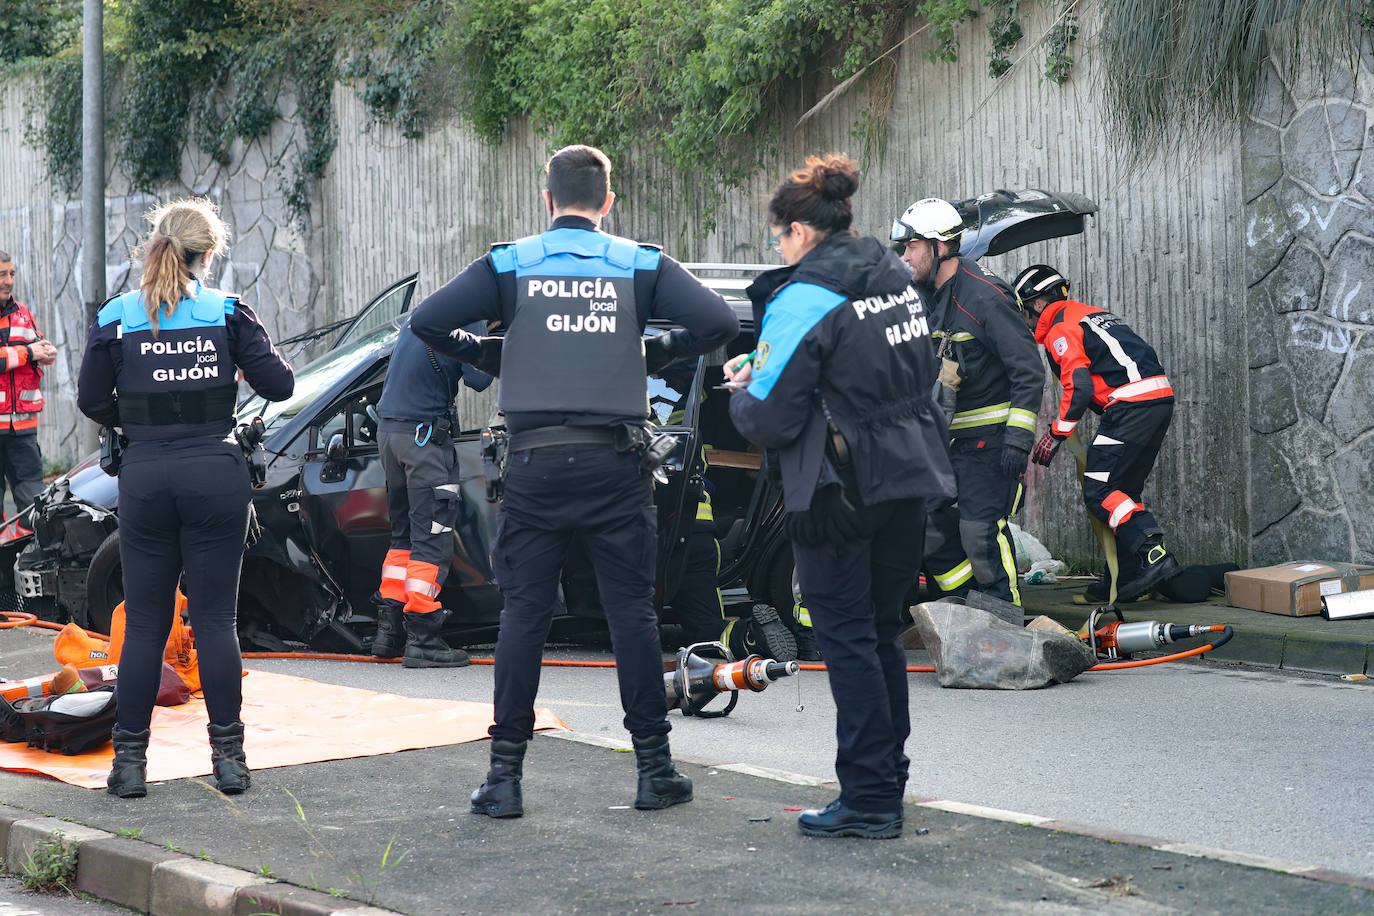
(1105,367)
(22,350)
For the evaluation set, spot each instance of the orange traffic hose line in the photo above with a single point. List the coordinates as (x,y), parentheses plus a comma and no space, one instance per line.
(11,619)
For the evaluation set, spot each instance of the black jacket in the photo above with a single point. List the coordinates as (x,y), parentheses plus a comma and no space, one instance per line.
(486,291)
(844,330)
(1000,374)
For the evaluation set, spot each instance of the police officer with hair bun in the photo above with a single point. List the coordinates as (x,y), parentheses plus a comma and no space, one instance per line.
(838,394)
(160,364)
(572,367)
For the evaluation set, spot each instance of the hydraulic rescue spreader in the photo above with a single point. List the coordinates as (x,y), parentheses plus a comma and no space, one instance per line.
(1117,639)
(705,670)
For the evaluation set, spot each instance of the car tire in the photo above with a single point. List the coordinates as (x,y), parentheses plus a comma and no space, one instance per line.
(104,585)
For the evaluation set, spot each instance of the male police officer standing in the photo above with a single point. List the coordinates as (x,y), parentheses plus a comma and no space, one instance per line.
(572,368)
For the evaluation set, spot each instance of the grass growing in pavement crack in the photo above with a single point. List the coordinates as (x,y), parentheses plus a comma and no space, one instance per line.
(51,866)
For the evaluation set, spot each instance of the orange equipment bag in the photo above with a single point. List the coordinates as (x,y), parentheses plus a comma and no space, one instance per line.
(180,652)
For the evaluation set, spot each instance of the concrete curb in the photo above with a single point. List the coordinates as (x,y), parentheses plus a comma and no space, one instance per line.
(150,879)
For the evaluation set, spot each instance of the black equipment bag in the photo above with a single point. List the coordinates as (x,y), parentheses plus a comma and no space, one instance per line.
(72,723)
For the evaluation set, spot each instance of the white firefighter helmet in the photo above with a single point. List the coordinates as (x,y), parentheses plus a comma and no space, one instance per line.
(930,218)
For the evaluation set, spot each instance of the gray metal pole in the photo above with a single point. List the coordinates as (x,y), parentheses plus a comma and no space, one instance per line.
(93,157)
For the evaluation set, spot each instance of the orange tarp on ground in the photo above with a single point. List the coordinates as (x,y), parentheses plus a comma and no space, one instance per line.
(289,720)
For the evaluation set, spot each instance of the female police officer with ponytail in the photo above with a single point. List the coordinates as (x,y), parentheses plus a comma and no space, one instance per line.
(161,363)
(838,392)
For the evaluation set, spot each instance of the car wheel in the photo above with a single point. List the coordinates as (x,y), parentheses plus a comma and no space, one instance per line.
(104,585)
(783,590)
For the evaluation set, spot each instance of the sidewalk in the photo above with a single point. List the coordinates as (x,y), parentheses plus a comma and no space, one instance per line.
(1338,647)
(393,833)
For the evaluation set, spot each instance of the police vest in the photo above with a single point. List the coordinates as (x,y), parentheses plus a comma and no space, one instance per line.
(574,344)
(21,398)
(180,383)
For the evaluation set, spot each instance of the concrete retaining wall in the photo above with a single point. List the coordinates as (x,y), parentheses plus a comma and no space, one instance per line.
(1168,250)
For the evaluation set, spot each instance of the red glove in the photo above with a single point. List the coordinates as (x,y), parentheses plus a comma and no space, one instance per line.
(1044,450)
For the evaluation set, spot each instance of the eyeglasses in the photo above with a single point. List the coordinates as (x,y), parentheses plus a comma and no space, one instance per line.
(775,243)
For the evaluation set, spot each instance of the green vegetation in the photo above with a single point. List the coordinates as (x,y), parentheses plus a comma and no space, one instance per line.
(695,84)
(51,866)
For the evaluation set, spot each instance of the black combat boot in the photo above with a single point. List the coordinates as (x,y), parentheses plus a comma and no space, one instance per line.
(660,784)
(390,640)
(129,774)
(761,632)
(424,648)
(500,794)
(1156,565)
(227,759)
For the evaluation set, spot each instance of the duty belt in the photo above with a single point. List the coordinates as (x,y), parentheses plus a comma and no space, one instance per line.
(546,436)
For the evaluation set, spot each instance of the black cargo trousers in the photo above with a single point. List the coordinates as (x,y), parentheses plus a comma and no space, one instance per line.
(856,592)
(423,502)
(183,505)
(602,497)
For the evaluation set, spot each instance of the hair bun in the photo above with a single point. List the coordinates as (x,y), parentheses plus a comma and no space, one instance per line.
(836,176)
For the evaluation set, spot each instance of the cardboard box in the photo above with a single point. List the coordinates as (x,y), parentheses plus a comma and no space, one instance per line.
(1294,589)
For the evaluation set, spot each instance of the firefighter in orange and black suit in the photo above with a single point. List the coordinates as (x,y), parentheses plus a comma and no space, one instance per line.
(1105,367)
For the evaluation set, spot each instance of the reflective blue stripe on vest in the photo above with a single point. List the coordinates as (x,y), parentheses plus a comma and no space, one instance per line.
(796,309)
(575,253)
(208,308)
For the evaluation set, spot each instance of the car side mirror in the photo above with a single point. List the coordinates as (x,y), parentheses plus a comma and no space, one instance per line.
(335,467)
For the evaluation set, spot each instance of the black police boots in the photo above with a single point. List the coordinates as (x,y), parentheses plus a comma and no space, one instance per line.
(761,632)
(1156,565)
(390,640)
(129,774)
(424,648)
(500,795)
(660,784)
(836,820)
(227,759)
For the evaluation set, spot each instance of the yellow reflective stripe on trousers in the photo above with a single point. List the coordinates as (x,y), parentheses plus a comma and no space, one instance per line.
(1008,560)
(801,614)
(1021,418)
(956,577)
(982,416)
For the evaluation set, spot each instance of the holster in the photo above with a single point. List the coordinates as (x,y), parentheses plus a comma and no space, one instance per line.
(112,443)
(495,445)
(836,514)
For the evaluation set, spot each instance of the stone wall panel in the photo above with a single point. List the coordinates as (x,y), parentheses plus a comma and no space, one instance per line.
(1267,237)
(1348,295)
(1272,492)
(1321,222)
(1272,403)
(1354,473)
(1296,284)
(1352,403)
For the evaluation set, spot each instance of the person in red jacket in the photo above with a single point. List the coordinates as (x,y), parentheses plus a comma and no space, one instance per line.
(22,350)
(1105,367)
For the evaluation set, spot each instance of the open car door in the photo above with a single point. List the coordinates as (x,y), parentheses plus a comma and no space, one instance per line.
(1002,221)
(385,308)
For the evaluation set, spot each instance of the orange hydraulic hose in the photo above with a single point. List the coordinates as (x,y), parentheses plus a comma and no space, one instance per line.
(11,619)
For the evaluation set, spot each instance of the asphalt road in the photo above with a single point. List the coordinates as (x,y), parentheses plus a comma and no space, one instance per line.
(1249,760)
(16,901)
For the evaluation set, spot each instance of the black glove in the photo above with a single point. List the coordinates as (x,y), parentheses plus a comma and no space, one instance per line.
(1014,459)
(489,360)
(832,519)
(658,353)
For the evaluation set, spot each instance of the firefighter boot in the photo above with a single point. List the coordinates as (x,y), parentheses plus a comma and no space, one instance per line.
(761,632)
(660,784)
(800,624)
(390,640)
(500,794)
(128,773)
(424,648)
(1156,565)
(227,759)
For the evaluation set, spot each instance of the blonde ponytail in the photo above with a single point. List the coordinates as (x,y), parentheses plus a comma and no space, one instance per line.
(184,231)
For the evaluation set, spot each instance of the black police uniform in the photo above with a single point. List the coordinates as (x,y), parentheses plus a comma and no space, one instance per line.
(415,440)
(575,302)
(844,341)
(1000,382)
(183,486)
